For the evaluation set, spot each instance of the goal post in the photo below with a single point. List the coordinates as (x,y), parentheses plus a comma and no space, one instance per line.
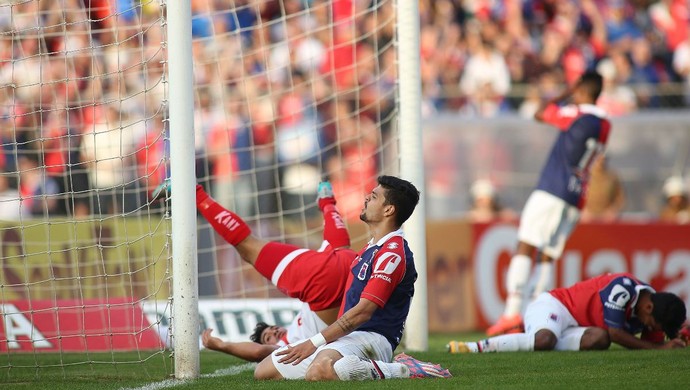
(185,312)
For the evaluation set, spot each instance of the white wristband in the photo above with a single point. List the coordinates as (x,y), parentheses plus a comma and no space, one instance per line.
(318,340)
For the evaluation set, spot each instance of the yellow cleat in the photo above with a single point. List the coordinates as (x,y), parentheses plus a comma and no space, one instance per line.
(457,347)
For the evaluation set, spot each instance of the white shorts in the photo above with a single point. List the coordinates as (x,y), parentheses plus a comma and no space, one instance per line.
(547,312)
(546,223)
(366,345)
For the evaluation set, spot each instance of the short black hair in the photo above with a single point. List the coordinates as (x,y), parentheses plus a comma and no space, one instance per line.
(402,194)
(258,330)
(592,83)
(669,312)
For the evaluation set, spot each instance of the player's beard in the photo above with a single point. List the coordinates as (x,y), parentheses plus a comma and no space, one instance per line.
(363,215)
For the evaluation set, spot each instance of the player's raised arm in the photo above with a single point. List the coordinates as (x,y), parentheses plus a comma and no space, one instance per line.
(541,114)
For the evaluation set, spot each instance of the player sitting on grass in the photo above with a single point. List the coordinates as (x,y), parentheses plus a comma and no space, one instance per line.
(590,315)
(317,278)
(380,285)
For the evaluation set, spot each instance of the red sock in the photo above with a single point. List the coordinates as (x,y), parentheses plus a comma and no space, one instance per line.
(230,226)
(323,202)
(334,230)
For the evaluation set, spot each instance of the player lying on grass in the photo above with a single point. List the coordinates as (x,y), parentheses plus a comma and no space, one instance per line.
(380,285)
(590,315)
(317,278)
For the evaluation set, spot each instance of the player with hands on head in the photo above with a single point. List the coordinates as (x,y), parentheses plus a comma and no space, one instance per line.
(380,285)
(553,208)
(592,314)
(317,278)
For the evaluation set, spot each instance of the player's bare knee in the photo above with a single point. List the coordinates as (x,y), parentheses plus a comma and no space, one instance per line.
(544,340)
(321,370)
(266,370)
(595,339)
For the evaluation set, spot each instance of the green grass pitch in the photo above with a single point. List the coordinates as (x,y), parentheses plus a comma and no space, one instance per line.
(616,368)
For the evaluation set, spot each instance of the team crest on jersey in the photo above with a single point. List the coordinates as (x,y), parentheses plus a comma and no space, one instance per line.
(363,271)
(393,245)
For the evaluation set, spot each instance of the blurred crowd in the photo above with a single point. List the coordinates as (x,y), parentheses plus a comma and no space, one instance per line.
(290,92)
(487,48)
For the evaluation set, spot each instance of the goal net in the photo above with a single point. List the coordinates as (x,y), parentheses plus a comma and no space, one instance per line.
(286,93)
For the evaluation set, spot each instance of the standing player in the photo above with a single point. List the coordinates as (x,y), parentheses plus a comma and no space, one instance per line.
(553,208)
(360,344)
(317,278)
(592,314)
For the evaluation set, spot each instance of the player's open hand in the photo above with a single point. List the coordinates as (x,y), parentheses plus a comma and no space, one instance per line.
(210,342)
(295,354)
(675,343)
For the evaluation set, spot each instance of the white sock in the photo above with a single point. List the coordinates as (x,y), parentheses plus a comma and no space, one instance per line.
(543,278)
(474,346)
(570,339)
(518,276)
(351,367)
(508,343)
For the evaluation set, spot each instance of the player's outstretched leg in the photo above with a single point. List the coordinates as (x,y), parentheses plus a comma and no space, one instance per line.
(352,367)
(229,225)
(503,343)
(334,229)
(419,369)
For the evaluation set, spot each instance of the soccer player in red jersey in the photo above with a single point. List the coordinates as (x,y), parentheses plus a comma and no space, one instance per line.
(317,278)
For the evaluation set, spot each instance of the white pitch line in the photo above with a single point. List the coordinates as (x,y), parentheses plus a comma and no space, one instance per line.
(168,383)
(232,370)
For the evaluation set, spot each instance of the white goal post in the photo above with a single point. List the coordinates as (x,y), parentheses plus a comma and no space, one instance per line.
(185,313)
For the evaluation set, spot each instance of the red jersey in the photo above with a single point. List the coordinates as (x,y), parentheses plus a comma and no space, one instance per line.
(606,301)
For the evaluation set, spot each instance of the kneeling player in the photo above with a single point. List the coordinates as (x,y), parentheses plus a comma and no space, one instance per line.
(317,278)
(590,315)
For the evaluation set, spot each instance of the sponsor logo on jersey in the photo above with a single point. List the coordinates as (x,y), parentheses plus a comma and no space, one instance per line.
(618,297)
(393,245)
(387,263)
(382,276)
(226,219)
(553,317)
